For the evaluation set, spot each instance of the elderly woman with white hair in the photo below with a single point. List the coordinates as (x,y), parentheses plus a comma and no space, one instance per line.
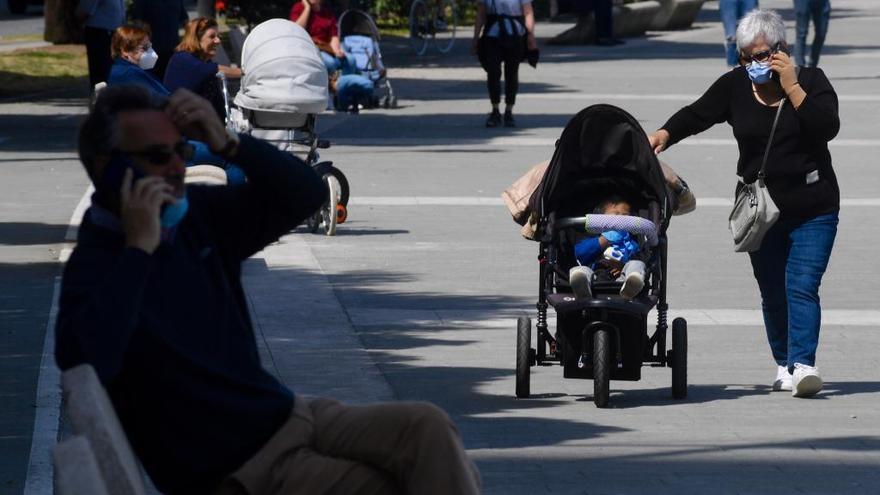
(794,253)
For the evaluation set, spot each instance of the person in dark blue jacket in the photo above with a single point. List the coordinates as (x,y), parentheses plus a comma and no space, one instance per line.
(193,67)
(165,18)
(133,56)
(152,299)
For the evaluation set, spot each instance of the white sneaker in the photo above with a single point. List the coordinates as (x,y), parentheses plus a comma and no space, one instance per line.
(633,284)
(783,379)
(805,381)
(579,279)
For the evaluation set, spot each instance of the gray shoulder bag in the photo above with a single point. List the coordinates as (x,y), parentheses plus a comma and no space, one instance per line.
(754,211)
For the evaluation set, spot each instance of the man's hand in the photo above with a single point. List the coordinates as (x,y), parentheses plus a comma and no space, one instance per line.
(139,210)
(196,119)
(658,140)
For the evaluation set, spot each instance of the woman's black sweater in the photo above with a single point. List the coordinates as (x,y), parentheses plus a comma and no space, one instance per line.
(800,146)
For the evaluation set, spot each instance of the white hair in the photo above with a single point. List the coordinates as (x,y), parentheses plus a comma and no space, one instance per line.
(760,24)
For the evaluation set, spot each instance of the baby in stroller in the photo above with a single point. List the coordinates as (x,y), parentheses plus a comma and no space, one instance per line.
(608,256)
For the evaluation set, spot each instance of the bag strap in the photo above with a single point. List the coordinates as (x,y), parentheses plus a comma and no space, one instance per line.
(797,71)
(770,140)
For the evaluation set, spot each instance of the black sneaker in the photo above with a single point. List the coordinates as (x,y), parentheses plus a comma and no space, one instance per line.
(509,121)
(494,119)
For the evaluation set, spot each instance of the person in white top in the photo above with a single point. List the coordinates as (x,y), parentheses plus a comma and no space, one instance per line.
(503,31)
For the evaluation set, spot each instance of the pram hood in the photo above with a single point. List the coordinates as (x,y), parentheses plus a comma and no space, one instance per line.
(357,22)
(283,71)
(603,150)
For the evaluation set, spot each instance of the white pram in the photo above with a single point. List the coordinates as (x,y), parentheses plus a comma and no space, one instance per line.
(283,88)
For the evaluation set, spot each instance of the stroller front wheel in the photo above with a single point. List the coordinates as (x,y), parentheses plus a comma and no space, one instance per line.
(601,367)
(523,355)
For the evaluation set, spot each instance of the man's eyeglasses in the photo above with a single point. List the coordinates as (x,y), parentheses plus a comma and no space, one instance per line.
(760,57)
(161,155)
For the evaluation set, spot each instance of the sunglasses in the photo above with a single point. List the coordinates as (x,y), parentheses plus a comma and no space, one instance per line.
(760,57)
(161,155)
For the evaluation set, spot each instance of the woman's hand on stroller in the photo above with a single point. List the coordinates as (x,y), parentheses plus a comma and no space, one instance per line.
(196,119)
(658,140)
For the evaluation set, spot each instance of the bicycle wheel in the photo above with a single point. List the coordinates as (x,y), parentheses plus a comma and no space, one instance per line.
(445,22)
(419,26)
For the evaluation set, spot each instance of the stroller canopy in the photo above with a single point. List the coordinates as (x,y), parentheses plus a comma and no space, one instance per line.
(283,71)
(357,22)
(603,151)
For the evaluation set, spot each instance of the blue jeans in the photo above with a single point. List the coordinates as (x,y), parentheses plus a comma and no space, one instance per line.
(352,89)
(731,12)
(789,268)
(804,10)
(333,64)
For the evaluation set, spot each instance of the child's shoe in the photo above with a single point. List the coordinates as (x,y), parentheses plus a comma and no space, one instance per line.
(579,279)
(633,284)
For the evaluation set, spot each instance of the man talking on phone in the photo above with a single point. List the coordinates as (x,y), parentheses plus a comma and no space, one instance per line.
(152,299)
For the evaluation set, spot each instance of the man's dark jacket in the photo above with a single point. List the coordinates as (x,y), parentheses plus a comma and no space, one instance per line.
(169,333)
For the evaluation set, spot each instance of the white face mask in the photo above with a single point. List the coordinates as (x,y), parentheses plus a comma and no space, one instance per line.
(148,59)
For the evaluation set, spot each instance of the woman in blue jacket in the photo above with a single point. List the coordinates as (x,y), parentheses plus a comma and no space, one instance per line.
(133,56)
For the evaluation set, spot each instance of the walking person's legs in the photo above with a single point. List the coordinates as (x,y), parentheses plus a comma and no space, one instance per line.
(768,266)
(821,13)
(512,58)
(802,27)
(728,11)
(604,23)
(494,58)
(811,244)
(98,54)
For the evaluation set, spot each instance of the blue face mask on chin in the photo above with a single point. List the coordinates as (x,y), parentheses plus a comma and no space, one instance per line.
(172,214)
(759,73)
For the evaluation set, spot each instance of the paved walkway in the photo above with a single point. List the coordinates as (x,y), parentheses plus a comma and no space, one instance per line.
(416,296)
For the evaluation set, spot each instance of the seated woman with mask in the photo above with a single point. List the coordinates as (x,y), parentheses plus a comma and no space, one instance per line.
(133,56)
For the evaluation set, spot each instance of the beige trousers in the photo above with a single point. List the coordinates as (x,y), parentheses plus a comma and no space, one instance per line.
(327,447)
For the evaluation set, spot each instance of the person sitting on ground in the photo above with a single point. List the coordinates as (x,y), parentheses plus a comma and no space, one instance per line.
(318,20)
(612,251)
(192,66)
(351,90)
(133,56)
(152,298)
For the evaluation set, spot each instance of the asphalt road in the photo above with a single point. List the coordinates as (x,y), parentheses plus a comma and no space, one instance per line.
(416,296)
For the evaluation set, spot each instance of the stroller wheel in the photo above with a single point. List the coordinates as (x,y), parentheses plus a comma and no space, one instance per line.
(523,355)
(328,211)
(601,366)
(341,213)
(313,222)
(679,358)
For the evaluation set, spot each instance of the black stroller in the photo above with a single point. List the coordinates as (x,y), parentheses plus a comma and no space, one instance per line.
(603,149)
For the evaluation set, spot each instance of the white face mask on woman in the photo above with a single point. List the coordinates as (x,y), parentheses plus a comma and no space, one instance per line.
(148,59)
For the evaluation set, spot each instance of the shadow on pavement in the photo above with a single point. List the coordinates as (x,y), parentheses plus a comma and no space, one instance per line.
(30,233)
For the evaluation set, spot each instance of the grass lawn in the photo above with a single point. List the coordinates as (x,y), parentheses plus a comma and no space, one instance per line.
(35,70)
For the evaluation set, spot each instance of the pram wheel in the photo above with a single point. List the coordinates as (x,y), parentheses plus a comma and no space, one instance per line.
(523,355)
(601,366)
(678,358)
(328,211)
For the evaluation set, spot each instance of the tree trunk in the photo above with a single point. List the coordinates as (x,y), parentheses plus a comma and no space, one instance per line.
(61,25)
(583,33)
(206,8)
